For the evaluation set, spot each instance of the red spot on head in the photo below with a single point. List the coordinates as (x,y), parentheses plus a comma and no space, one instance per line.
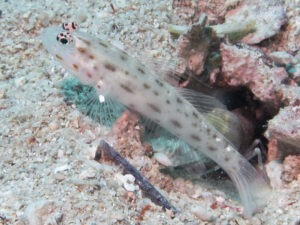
(71,26)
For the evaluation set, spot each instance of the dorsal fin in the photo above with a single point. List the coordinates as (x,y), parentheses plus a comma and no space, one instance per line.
(202,102)
(226,122)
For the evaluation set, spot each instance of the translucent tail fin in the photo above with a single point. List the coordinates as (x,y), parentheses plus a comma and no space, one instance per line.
(253,189)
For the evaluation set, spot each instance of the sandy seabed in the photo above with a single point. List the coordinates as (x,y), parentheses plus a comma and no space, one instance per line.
(47,175)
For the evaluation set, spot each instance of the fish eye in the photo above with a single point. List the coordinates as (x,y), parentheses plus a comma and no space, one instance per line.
(64,38)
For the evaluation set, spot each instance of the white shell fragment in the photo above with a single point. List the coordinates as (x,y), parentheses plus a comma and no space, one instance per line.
(202,213)
(62,168)
(127,182)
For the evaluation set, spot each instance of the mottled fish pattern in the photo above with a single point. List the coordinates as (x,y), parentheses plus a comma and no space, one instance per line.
(123,78)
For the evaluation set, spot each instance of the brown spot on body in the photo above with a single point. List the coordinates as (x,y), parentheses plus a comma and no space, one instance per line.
(91,57)
(141,70)
(110,67)
(102,44)
(86,41)
(123,86)
(195,137)
(195,115)
(154,107)
(155,93)
(89,75)
(126,72)
(58,57)
(123,57)
(146,86)
(75,66)
(211,148)
(179,100)
(194,124)
(227,158)
(208,131)
(159,82)
(81,50)
(168,101)
(176,123)
(132,106)
(95,67)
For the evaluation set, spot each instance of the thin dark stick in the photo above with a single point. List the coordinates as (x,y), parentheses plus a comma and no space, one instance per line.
(105,149)
(112,7)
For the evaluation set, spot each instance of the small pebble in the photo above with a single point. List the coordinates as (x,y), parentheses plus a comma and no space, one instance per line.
(163,159)
(127,182)
(53,126)
(282,58)
(2,93)
(37,212)
(20,81)
(220,199)
(130,187)
(81,16)
(295,71)
(202,213)
(87,174)
(274,170)
(62,168)
(60,154)
(59,176)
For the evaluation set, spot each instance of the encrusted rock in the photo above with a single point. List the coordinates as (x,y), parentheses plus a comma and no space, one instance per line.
(285,127)
(294,71)
(258,19)
(38,212)
(127,131)
(291,95)
(274,171)
(246,66)
(282,58)
(291,168)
